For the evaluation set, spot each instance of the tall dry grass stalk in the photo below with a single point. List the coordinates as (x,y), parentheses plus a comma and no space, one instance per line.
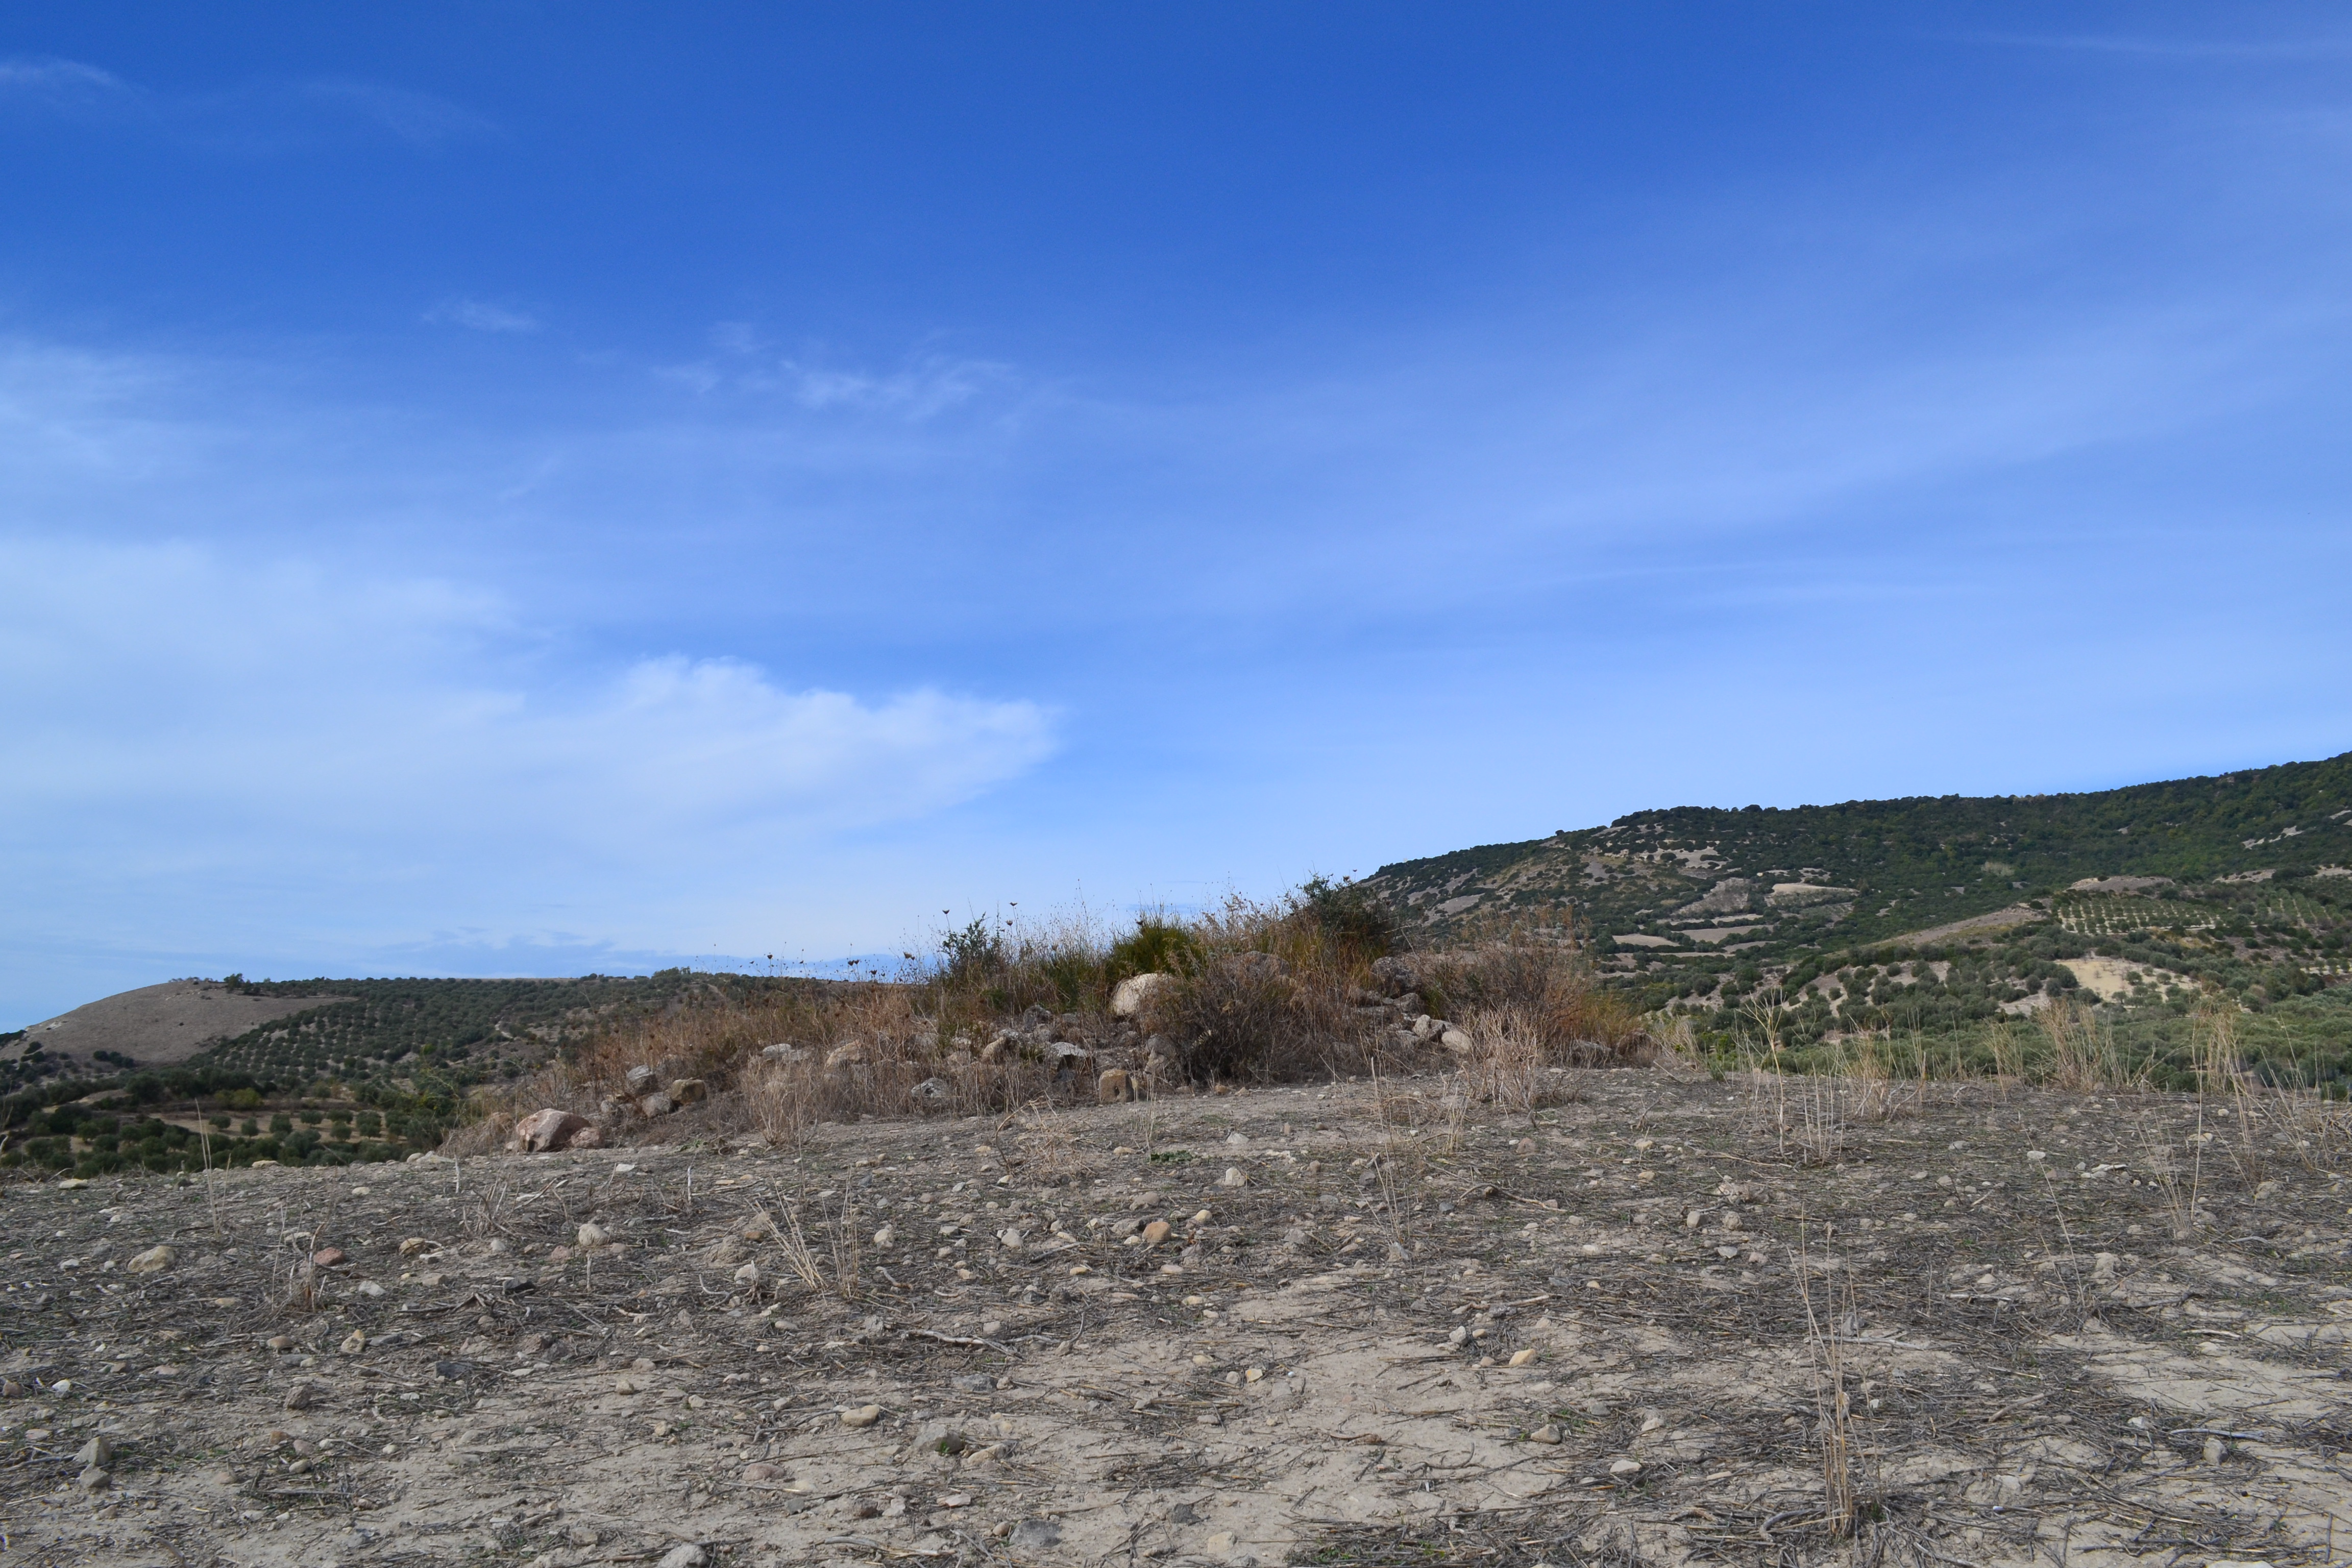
(2084,1055)
(1825,1333)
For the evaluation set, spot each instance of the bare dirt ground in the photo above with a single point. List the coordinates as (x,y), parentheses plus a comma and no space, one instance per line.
(1399,1332)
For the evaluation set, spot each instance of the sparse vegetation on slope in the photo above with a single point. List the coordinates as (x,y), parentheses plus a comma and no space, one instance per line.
(1952,919)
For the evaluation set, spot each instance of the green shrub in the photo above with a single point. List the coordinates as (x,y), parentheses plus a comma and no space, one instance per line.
(1158,945)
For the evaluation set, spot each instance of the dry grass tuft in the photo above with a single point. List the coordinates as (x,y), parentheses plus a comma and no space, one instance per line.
(1016,1016)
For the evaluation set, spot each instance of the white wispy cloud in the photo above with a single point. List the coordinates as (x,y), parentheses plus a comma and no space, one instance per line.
(481,316)
(50,76)
(212,740)
(922,386)
(259,116)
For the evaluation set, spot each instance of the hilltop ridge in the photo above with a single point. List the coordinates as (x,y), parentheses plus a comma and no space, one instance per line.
(2239,882)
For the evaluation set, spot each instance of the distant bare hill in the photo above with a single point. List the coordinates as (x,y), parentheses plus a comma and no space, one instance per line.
(157,1025)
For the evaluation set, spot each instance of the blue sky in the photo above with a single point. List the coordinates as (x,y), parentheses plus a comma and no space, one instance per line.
(529,488)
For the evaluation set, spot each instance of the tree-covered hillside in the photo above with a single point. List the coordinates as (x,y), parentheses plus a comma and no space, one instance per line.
(1938,912)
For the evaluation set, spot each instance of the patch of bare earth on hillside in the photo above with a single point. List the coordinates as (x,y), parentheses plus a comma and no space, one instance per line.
(1402,1329)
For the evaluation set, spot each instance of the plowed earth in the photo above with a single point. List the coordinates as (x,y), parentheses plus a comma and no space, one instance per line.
(2052,1358)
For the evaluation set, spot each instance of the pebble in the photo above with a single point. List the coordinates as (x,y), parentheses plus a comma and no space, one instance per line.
(592,1234)
(1624,1467)
(863,1416)
(98,1453)
(93,1479)
(886,1236)
(1036,1535)
(748,1275)
(1523,1358)
(412,1245)
(303,1396)
(281,1342)
(353,1342)
(687,1556)
(1550,1435)
(328,1258)
(1157,1231)
(154,1261)
(1232,1178)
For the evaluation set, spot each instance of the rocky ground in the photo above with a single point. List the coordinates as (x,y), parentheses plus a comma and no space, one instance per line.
(1350,1325)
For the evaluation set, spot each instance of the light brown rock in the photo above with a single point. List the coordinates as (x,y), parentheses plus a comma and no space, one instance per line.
(544,1130)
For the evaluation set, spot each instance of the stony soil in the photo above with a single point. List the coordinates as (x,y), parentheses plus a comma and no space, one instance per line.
(2042,1358)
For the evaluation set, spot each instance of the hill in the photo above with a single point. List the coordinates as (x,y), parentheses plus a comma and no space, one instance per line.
(155,1026)
(370,1069)
(1936,911)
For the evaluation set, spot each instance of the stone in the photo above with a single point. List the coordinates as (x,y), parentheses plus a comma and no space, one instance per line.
(543,1132)
(2215,1450)
(98,1452)
(863,1416)
(748,1275)
(1036,1535)
(411,1245)
(353,1342)
(849,1053)
(329,1258)
(641,1080)
(689,1091)
(932,1094)
(1547,1434)
(1157,1231)
(657,1105)
(154,1261)
(1012,1239)
(885,1237)
(1132,995)
(93,1479)
(687,1556)
(1117,1084)
(592,1234)
(1523,1358)
(282,1342)
(1621,1468)
(1456,1041)
(763,1471)
(1232,1178)
(590,1137)
(305,1396)
(782,1051)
